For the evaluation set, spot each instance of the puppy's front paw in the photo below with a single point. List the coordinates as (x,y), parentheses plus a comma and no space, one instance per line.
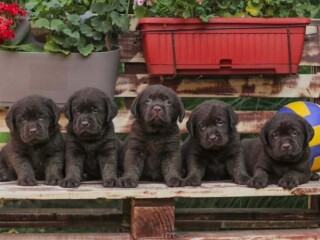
(70,183)
(288,182)
(242,180)
(27,182)
(127,182)
(257,182)
(192,181)
(110,182)
(174,182)
(53,181)
(4,176)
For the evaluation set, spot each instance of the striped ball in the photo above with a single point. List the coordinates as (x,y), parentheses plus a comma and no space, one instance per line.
(310,112)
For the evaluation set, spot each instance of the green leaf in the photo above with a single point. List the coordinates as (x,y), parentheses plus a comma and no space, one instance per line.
(97,36)
(57,25)
(85,51)
(254,9)
(51,46)
(42,23)
(100,8)
(101,25)
(140,11)
(86,30)
(30,47)
(74,19)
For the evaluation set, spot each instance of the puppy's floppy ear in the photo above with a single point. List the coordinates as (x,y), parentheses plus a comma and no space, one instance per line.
(135,106)
(308,130)
(264,132)
(233,118)
(190,125)
(181,109)
(67,108)
(10,120)
(112,108)
(54,109)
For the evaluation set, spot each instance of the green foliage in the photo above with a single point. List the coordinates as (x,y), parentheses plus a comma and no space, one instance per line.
(204,9)
(79,25)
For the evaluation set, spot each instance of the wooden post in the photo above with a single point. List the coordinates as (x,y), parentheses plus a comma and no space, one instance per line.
(152,218)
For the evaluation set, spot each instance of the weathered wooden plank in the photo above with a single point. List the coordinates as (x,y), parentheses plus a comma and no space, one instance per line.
(152,218)
(303,85)
(131,49)
(68,236)
(63,217)
(250,121)
(305,234)
(94,190)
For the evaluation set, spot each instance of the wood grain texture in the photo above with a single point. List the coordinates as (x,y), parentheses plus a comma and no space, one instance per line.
(94,190)
(294,234)
(303,85)
(67,236)
(152,218)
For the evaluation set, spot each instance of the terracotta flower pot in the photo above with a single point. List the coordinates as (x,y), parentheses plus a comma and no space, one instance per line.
(223,45)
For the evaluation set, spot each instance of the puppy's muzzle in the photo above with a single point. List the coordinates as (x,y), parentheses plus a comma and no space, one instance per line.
(213,137)
(286,147)
(157,110)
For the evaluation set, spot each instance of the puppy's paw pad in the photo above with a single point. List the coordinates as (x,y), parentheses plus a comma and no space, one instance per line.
(127,182)
(192,181)
(70,183)
(288,183)
(27,182)
(257,182)
(111,182)
(174,182)
(53,181)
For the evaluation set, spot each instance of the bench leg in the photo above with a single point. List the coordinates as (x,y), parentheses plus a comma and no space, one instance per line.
(153,218)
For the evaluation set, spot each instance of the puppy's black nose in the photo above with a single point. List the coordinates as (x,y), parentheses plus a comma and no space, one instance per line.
(84,123)
(285,146)
(157,109)
(213,137)
(32,130)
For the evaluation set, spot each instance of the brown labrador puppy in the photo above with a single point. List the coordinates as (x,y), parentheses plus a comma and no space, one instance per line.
(212,150)
(35,150)
(152,150)
(91,145)
(281,154)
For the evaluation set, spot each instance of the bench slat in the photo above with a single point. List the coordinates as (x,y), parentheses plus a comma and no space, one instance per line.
(94,190)
(300,85)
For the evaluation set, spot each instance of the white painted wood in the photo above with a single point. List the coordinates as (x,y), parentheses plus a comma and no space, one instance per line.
(94,190)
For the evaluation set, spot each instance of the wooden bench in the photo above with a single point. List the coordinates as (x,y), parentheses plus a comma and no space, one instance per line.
(148,211)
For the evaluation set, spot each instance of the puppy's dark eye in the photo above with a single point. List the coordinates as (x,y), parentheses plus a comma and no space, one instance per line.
(275,135)
(148,101)
(77,111)
(24,119)
(220,123)
(94,110)
(294,133)
(41,118)
(202,126)
(167,102)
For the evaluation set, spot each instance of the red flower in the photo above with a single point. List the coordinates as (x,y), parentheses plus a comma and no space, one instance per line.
(8,17)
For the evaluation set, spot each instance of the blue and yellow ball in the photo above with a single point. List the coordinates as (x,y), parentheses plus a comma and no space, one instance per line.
(310,112)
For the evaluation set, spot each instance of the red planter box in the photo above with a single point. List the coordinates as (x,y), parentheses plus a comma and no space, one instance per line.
(223,45)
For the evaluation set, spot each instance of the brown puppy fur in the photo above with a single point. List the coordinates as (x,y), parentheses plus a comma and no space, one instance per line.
(213,151)
(152,150)
(35,150)
(281,153)
(91,145)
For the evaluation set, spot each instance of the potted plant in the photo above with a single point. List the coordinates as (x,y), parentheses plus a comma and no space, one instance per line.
(224,36)
(78,48)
